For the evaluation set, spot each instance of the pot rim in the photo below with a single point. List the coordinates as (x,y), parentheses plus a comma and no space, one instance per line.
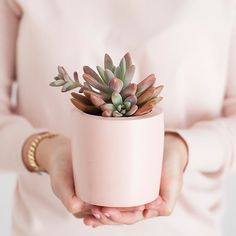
(157,111)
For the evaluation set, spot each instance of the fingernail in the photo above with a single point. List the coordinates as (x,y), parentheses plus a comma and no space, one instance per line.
(106,214)
(97,216)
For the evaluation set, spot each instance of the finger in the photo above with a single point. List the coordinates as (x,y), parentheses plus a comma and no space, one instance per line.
(113,216)
(151,208)
(64,189)
(122,217)
(82,214)
(72,203)
(149,213)
(154,204)
(169,191)
(102,217)
(135,208)
(90,220)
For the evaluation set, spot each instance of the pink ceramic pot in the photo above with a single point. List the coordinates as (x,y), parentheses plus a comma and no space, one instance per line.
(117,161)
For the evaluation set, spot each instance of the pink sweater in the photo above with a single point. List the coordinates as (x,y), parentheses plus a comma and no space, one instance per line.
(189,45)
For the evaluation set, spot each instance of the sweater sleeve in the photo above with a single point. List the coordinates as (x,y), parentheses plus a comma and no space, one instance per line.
(14,129)
(212,144)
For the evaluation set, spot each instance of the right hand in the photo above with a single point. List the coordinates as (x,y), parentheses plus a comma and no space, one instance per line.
(54,156)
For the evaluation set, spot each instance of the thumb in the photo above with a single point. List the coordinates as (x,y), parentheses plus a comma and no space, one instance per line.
(171,184)
(63,187)
(169,195)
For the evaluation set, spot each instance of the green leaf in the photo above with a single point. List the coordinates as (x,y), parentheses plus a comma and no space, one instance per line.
(109,75)
(147,107)
(113,69)
(132,110)
(81,98)
(116,99)
(84,87)
(94,83)
(148,94)
(84,107)
(158,90)
(145,84)
(122,68)
(108,64)
(108,106)
(128,59)
(57,83)
(101,72)
(107,113)
(129,74)
(132,99)
(129,90)
(102,95)
(91,72)
(116,85)
(76,77)
(116,114)
(63,73)
(117,72)
(123,111)
(119,107)
(61,70)
(127,105)
(97,102)
(68,86)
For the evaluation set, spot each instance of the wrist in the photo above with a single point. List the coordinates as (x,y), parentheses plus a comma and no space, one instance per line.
(51,150)
(33,155)
(180,145)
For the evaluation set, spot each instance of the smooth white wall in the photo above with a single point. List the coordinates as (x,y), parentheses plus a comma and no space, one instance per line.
(7,183)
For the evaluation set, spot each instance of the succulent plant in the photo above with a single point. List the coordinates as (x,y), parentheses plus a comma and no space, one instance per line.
(109,91)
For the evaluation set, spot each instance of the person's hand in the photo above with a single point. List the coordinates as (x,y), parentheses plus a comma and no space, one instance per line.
(174,163)
(54,155)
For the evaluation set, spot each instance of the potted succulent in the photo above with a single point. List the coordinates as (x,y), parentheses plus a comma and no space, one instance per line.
(117,135)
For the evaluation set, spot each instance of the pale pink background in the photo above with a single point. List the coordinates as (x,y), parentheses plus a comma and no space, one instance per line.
(187,48)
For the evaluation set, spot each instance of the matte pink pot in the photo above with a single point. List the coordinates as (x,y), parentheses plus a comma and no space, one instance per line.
(117,161)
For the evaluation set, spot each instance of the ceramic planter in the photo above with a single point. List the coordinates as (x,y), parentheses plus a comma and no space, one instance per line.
(117,161)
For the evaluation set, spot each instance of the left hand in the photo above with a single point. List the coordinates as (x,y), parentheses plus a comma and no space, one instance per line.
(174,162)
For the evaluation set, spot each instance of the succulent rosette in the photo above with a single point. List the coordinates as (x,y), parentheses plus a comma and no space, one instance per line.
(109,91)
